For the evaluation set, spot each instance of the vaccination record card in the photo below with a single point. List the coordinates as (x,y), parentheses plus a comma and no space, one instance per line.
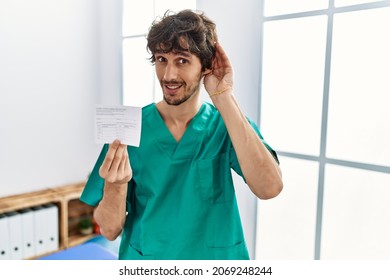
(118,122)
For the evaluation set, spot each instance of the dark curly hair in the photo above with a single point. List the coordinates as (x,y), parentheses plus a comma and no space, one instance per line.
(185,31)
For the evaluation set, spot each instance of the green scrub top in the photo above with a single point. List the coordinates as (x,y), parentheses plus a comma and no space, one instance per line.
(181,202)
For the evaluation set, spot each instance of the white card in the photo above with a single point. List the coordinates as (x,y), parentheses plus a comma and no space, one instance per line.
(118,122)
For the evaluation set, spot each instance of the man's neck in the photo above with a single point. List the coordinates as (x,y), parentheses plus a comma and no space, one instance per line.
(179,114)
(178,117)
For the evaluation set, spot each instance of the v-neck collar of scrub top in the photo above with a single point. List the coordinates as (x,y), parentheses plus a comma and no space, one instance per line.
(184,149)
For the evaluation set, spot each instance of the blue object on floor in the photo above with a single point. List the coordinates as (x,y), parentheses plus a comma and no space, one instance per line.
(86,251)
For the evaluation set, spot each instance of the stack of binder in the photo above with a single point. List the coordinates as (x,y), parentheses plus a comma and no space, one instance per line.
(29,232)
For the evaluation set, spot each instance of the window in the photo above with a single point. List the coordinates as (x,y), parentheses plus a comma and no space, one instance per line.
(139,84)
(324,96)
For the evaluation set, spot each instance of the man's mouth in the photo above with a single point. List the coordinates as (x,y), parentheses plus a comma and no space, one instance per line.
(172,88)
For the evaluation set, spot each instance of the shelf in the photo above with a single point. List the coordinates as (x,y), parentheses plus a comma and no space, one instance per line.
(78,239)
(71,209)
(17,202)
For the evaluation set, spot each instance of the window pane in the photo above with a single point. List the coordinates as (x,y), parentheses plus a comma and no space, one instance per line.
(137,16)
(356,214)
(137,73)
(340,3)
(292,83)
(173,5)
(286,224)
(279,7)
(359,118)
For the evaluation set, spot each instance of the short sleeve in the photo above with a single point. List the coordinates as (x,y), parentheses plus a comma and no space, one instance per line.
(233,156)
(93,190)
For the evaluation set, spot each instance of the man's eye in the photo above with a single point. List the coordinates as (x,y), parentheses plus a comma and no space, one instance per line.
(183,61)
(160,59)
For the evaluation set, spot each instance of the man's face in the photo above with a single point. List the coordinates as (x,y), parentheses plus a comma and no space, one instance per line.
(179,74)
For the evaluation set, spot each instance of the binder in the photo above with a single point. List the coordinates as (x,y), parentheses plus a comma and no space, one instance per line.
(15,235)
(40,222)
(5,253)
(52,231)
(28,233)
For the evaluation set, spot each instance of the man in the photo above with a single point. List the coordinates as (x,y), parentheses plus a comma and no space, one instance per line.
(173,196)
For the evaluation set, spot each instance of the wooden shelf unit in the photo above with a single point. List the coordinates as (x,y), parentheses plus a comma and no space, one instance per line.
(70,209)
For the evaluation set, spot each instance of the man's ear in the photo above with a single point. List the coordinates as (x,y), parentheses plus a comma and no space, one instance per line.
(207,71)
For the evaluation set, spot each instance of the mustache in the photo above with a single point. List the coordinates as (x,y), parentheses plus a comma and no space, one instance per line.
(171,82)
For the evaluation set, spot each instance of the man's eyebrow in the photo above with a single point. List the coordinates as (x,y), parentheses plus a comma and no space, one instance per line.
(181,53)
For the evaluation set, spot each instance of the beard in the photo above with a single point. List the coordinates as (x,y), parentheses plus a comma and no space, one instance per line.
(188,92)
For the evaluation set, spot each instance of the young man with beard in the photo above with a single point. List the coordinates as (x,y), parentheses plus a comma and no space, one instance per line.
(173,196)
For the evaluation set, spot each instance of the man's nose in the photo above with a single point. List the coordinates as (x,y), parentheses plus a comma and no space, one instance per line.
(170,72)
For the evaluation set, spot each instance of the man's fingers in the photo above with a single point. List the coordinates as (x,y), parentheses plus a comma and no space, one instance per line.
(127,168)
(222,60)
(116,166)
(109,159)
(122,165)
(117,158)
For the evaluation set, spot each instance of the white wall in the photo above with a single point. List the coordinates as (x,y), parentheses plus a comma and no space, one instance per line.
(50,78)
(110,44)
(238,29)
